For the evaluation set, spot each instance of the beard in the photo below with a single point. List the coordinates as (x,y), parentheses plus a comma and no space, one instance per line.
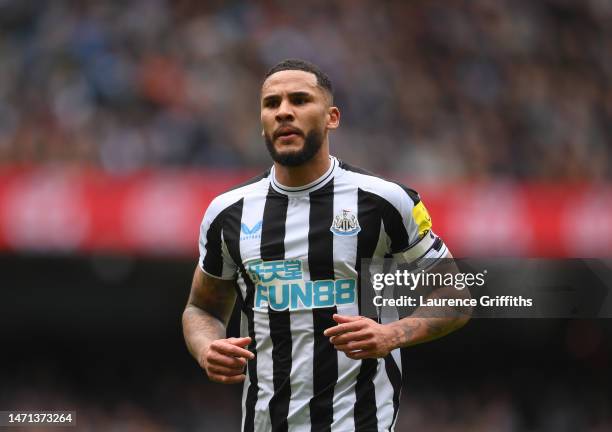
(312,144)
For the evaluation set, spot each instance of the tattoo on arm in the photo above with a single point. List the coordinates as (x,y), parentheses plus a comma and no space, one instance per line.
(429,323)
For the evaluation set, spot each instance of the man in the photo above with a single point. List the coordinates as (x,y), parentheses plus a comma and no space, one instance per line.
(290,244)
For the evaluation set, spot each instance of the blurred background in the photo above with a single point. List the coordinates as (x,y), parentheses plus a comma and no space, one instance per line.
(120,121)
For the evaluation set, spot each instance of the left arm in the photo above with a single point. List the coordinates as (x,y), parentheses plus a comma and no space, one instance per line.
(360,337)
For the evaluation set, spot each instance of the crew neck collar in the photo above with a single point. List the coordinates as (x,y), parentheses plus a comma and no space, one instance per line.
(307,188)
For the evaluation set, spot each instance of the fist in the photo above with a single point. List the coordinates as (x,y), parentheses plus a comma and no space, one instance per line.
(224,360)
(360,337)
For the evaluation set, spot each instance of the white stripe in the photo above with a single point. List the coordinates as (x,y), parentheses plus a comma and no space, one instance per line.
(244,331)
(252,213)
(384,396)
(264,370)
(345,254)
(302,329)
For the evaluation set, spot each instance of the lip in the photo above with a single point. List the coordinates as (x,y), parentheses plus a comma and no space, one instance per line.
(288,137)
(287,132)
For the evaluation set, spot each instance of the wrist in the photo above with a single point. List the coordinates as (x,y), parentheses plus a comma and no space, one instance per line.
(395,335)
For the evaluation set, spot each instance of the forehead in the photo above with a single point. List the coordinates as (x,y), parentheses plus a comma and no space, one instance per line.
(289,81)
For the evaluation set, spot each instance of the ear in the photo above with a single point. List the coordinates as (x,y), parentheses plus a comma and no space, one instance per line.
(263,134)
(333,117)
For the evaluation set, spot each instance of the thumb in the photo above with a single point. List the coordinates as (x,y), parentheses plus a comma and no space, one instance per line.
(340,319)
(241,342)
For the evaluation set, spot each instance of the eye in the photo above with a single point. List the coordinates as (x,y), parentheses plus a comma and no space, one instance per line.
(270,103)
(299,100)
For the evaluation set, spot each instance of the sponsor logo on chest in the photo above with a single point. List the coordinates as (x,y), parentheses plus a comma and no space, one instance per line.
(280,285)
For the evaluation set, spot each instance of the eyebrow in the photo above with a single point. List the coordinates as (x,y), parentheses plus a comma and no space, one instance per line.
(292,94)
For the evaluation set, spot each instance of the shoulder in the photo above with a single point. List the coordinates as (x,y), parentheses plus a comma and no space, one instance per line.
(258,184)
(393,192)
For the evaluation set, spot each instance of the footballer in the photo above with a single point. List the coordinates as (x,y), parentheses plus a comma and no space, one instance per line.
(290,244)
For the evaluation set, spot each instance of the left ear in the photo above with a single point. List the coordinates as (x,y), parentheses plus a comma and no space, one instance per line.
(333,117)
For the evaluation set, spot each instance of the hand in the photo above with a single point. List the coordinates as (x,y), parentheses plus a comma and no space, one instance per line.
(360,337)
(224,360)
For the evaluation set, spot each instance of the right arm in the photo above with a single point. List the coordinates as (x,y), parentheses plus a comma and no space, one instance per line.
(204,326)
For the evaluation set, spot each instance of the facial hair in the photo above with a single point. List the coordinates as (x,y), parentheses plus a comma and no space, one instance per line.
(312,144)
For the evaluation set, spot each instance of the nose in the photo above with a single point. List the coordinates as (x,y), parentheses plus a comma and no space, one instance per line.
(284,112)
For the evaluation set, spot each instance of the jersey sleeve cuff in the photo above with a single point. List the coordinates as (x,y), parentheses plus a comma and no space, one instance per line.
(215,276)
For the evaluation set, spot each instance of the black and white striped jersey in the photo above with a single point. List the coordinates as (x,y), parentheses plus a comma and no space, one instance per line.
(295,253)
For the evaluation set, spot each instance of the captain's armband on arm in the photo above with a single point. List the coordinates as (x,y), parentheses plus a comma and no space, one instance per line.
(424,252)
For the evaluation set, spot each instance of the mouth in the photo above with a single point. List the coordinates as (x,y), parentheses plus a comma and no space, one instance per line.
(287,133)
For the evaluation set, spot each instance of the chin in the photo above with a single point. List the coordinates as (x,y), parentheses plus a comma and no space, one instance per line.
(289,148)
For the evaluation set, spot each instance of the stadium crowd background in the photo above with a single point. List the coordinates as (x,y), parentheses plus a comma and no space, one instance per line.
(447,91)
(467,90)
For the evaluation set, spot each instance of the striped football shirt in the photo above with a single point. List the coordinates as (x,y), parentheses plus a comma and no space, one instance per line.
(295,253)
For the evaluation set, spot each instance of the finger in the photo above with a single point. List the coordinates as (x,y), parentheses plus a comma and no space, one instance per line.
(226,361)
(352,346)
(350,336)
(227,380)
(340,319)
(220,370)
(343,328)
(360,355)
(241,342)
(233,350)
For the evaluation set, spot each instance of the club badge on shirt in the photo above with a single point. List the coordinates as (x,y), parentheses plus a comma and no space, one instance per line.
(345,224)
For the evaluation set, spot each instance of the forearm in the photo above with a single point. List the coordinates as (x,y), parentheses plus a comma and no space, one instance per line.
(200,328)
(427,323)
(413,330)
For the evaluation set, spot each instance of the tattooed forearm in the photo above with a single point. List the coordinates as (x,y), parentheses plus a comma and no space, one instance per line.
(427,323)
(412,330)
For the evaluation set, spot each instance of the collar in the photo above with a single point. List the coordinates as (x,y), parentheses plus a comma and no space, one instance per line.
(307,188)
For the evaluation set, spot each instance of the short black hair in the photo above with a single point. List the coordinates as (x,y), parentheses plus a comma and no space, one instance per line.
(323,80)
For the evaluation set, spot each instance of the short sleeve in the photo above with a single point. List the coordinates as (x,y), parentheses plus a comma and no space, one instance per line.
(422,243)
(215,259)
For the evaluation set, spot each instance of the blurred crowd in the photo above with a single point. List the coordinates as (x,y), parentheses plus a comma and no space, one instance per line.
(441,90)
(485,409)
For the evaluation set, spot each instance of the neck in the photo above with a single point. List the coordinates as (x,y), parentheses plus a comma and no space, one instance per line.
(306,173)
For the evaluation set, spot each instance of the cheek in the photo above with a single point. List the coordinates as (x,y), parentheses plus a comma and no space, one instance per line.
(266,122)
(316,120)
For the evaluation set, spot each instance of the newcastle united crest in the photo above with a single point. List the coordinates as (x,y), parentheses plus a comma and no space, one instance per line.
(345,224)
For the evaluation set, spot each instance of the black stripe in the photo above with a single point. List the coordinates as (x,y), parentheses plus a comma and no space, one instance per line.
(273,248)
(395,376)
(231,235)
(253,389)
(321,265)
(369,216)
(394,227)
(213,260)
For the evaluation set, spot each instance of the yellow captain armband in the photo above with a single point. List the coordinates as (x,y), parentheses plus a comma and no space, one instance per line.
(421,218)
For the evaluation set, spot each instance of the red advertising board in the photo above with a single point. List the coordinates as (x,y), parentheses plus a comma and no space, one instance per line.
(158,213)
